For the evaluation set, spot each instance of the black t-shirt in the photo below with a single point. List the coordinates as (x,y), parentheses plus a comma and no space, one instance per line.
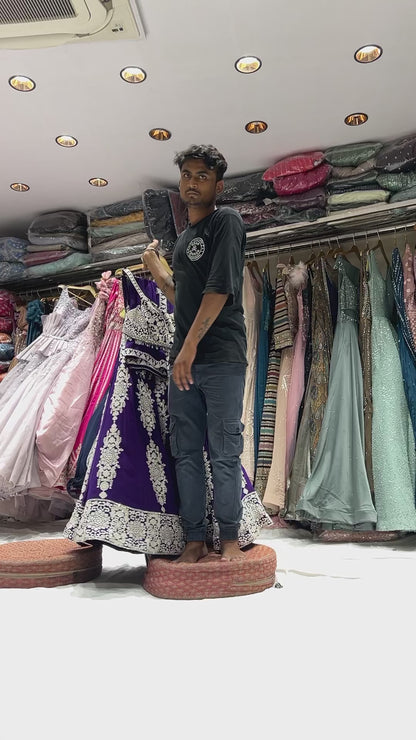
(209,258)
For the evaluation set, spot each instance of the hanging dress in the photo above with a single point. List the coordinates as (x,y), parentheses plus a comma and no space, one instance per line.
(62,412)
(262,359)
(337,493)
(275,493)
(281,337)
(298,276)
(407,349)
(317,358)
(252,307)
(364,339)
(409,290)
(28,386)
(103,366)
(129,498)
(393,448)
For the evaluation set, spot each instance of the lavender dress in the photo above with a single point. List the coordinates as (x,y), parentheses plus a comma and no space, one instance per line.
(129,498)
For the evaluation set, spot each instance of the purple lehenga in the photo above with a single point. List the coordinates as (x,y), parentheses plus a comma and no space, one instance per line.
(129,498)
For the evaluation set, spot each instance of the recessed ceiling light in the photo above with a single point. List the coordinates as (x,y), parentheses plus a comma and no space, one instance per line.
(160,134)
(98,182)
(133,75)
(368,54)
(256,127)
(21,83)
(356,119)
(67,141)
(19,187)
(247,65)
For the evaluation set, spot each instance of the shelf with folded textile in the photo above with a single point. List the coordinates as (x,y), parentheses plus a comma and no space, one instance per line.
(308,196)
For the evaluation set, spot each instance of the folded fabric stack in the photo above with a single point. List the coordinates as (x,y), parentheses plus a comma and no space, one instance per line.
(117,229)
(396,169)
(166,215)
(353,180)
(12,255)
(7,327)
(298,182)
(251,197)
(58,242)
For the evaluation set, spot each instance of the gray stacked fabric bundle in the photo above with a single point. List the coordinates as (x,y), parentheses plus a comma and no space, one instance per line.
(117,229)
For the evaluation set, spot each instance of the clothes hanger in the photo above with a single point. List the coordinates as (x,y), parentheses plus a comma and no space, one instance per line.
(353,249)
(85,288)
(255,273)
(141,268)
(380,246)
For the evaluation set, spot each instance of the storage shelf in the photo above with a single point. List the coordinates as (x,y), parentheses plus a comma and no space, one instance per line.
(381,217)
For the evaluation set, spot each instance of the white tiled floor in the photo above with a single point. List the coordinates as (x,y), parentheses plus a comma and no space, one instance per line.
(330,654)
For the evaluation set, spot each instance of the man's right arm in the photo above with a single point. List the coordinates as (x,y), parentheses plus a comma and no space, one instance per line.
(161,277)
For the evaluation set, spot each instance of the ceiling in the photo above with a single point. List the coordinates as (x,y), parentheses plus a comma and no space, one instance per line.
(307,84)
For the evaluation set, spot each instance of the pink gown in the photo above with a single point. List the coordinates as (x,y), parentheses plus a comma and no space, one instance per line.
(64,407)
(103,365)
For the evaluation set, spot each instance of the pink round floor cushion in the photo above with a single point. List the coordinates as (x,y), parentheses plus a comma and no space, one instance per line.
(47,563)
(293,165)
(212,577)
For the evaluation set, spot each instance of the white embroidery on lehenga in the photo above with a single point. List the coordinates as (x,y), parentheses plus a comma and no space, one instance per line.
(145,401)
(157,473)
(108,463)
(121,386)
(162,407)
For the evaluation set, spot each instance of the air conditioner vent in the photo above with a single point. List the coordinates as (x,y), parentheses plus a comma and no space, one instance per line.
(29,24)
(32,11)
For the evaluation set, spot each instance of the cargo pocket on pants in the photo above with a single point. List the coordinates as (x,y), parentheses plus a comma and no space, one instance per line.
(233,442)
(173,439)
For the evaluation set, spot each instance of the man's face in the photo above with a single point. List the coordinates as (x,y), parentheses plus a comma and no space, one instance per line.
(198,185)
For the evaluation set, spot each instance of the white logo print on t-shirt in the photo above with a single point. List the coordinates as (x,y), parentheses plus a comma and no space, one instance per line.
(195,249)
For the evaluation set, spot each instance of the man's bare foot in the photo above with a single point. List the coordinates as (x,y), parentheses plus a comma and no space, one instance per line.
(193,552)
(230,550)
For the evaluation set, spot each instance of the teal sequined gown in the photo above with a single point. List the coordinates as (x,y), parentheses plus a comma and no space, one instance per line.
(394,459)
(337,493)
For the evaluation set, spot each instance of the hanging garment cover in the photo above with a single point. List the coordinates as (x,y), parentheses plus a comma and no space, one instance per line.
(337,492)
(129,499)
(393,442)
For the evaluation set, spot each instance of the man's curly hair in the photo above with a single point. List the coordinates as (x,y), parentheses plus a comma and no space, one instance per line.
(212,158)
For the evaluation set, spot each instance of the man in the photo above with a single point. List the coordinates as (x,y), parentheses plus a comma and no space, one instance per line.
(208,355)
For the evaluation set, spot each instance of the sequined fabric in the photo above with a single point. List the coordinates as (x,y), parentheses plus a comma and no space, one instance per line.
(322,338)
(409,290)
(337,492)
(393,449)
(364,338)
